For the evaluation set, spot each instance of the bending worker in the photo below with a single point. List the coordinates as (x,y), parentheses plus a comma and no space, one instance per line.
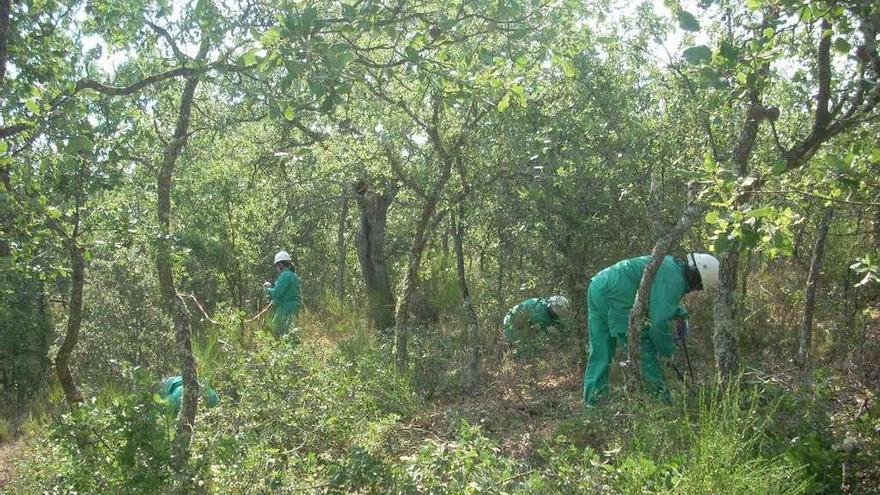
(610,298)
(284,294)
(541,314)
(172,391)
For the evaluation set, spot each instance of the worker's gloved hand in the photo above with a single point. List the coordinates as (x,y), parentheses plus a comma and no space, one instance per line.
(266,285)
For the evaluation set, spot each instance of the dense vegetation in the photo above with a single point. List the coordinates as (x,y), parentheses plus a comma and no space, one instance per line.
(428,165)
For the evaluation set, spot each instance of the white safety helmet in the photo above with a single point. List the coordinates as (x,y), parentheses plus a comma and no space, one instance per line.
(707,265)
(558,304)
(281,256)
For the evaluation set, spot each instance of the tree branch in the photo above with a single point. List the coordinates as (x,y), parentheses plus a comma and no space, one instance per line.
(163,33)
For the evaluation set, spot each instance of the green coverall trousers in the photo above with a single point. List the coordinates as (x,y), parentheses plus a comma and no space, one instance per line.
(604,343)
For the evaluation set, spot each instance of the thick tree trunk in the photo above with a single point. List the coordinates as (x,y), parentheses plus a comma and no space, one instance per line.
(472,331)
(340,248)
(805,339)
(172,305)
(74,323)
(371,253)
(726,324)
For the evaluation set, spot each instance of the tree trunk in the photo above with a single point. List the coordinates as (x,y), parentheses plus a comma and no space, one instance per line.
(5,8)
(726,325)
(340,248)
(876,227)
(806,331)
(6,215)
(639,315)
(472,332)
(172,305)
(371,253)
(410,278)
(499,290)
(74,323)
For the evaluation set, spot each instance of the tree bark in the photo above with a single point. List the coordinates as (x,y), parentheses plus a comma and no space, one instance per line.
(74,323)
(340,248)
(5,9)
(172,305)
(805,337)
(726,324)
(472,331)
(5,249)
(371,253)
(639,315)
(410,278)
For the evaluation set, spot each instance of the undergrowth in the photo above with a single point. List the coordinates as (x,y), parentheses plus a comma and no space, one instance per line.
(338,418)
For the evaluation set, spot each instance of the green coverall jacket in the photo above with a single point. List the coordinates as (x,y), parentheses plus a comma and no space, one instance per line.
(172,390)
(540,316)
(285,298)
(610,298)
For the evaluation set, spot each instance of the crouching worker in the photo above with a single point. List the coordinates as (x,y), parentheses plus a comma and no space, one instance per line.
(533,316)
(284,294)
(172,391)
(610,298)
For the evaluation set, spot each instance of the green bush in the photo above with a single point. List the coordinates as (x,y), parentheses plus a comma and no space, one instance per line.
(121,444)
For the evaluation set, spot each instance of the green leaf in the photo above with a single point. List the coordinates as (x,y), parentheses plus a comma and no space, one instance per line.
(289,114)
(754,4)
(53,212)
(728,51)
(270,37)
(504,103)
(568,69)
(806,14)
(778,167)
(249,58)
(3,147)
(687,21)
(712,217)
(411,53)
(80,144)
(842,46)
(308,17)
(761,212)
(710,77)
(32,105)
(769,32)
(875,155)
(348,12)
(697,54)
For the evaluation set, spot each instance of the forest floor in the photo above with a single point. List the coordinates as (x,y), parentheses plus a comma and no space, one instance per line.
(8,452)
(518,403)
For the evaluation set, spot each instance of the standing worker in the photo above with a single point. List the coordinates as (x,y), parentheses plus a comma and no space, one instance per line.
(284,294)
(541,314)
(610,298)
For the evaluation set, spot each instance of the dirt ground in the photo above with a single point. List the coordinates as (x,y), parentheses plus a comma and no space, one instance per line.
(7,454)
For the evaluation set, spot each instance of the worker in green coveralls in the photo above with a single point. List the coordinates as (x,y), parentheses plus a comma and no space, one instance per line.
(536,313)
(172,391)
(284,294)
(610,298)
